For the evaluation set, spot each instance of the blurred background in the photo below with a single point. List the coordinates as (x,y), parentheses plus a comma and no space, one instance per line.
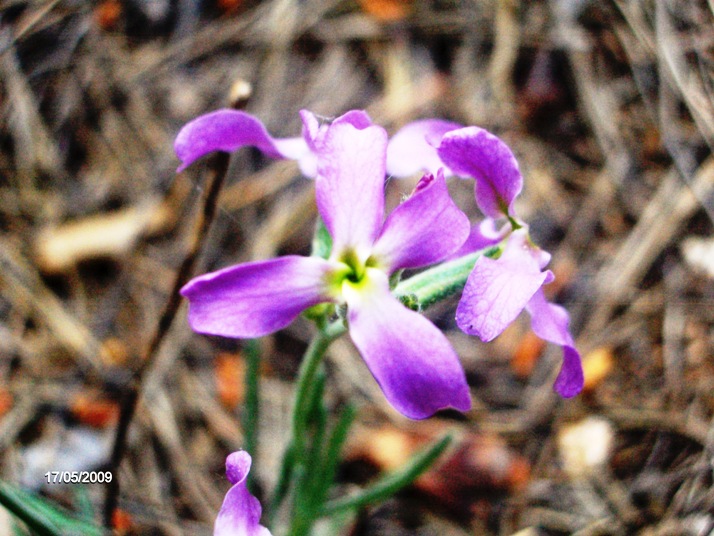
(609,108)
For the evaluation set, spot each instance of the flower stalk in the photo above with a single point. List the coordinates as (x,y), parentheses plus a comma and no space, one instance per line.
(440,282)
(295,457)
(251,416)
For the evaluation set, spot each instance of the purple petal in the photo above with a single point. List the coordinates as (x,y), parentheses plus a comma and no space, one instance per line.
(410,358)
(475,152)
(498,290)
(350,185)
(484,234)
(308,165)
(570,379)
(550,322)
(413,147)
(254,299)
(357,118)
(229,130)
(312,129)
(424,229)
(240,513)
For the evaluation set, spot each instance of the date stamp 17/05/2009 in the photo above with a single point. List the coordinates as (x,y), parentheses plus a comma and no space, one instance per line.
(78,477)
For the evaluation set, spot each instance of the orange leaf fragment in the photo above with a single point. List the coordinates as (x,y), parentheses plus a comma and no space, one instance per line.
(114,352)
(107,14)
(526,356)
(230,373)
(122,521)
(93,410)
(597,365)
(518,474)
(229,5)
(6,401)
(387,10)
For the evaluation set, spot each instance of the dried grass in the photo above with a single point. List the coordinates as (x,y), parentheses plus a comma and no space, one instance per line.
(609,106)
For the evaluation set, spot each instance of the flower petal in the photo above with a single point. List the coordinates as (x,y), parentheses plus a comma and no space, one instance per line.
(240,513)
(256,298)
(413,147)
(550,322)
(312,129)
(357,118)
(570,379)
(229,130)
(350,185)
(410,358)
(483,234)
(498,290)
(424,229)
(475,152)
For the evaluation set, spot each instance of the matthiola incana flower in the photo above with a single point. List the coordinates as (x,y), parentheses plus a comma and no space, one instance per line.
(240,513)
(498,289)
(410,358)
(229,130)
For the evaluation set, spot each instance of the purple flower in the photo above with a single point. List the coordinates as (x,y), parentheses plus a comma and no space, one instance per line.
(410,358)
(413,148)
(497,290)
(240,513)
(229,130)
(465,151)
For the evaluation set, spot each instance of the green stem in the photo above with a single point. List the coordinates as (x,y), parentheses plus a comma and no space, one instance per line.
(308,368)
(301,520)
(440,282)
(251,350)
(294,457)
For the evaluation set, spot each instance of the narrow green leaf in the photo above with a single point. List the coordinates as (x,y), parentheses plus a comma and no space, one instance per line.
(305,498)
(282,487)
(392,483)
(41,516)
(251,350)
(314,403)
(83,504)
(332,454)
